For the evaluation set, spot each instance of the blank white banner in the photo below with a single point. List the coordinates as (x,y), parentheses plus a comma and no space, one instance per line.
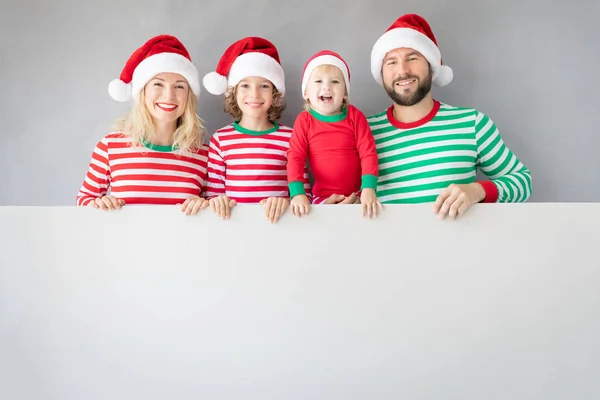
(146,303)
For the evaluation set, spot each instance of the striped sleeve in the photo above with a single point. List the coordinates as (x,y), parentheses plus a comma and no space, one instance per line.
(510,177)
(307,189)
(97,179)
(203,173)
(215,185)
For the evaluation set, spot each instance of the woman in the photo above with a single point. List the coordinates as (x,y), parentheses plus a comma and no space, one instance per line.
(155,155)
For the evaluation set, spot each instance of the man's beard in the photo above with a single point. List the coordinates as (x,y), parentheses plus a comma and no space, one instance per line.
(410,99)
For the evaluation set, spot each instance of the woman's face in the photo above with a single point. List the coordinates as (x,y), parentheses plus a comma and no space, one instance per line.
(166,96)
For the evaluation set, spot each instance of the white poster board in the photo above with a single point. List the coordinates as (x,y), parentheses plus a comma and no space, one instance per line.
(146,303)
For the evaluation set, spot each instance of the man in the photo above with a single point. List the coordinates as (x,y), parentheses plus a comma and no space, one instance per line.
(429,151)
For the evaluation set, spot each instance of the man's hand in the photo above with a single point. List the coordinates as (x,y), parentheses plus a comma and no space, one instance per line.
(456,199)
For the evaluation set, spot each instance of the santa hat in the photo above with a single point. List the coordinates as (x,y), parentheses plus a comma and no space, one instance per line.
(250,56)
(163,53)
(411,31)
(326,57)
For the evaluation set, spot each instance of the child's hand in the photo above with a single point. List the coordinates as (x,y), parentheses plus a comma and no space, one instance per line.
(222,206)
(193,205)
(341,199)
(107,203)
(300,205)
(370,204)
(275,207)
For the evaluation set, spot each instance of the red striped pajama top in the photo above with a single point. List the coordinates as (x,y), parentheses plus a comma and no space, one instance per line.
(143,175)
(249,166)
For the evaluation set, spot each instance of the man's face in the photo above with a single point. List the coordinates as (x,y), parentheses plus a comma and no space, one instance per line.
(406,76)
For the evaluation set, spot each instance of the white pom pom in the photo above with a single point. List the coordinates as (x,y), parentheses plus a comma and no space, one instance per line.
(444,77)
(215,83)
(119,90)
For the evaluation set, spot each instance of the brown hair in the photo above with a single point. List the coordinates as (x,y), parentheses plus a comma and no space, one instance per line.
(274,113)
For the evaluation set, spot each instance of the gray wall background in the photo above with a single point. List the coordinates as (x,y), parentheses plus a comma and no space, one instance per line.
(532,66)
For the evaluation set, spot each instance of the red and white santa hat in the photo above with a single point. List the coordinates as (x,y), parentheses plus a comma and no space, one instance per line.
(162,53)
(325,57)
(411,31)
(250,56)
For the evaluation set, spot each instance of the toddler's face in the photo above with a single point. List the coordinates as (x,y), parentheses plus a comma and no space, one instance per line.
(326,90)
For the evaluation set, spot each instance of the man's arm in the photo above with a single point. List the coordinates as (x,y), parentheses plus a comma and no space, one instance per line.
(510,180)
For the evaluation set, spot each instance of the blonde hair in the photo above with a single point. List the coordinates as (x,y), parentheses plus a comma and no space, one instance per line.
(328,67)
(273,114)
(139,128)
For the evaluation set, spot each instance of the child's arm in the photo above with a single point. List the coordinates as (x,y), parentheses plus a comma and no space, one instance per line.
(215,184)
(97,180)
(296,158)
(296,167)
(365,145)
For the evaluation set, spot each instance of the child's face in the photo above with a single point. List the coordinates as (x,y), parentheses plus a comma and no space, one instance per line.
(254,96)
(166,96)
(326,90)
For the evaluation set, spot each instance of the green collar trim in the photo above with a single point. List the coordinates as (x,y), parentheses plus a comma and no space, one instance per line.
(241,129)
(157,147)
(330,118)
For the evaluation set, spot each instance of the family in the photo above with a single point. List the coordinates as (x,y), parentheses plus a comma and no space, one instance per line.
(419,150)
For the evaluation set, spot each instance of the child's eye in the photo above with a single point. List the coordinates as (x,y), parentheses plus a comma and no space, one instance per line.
(335,81)
(180,87)
(318,81)
(244,85)
(265,86)
(157,84)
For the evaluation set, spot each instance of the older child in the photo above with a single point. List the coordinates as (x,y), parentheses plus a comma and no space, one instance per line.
(247,158)
(155,155)
(335,137)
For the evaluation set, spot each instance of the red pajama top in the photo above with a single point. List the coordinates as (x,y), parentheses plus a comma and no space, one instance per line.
(340,150)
